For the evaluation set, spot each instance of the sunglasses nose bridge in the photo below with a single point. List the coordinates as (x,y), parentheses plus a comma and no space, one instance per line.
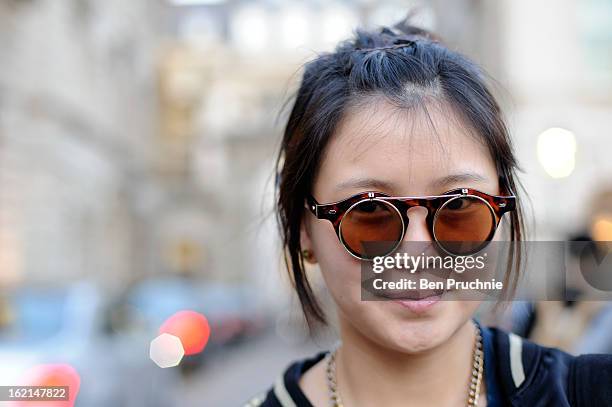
(418,216)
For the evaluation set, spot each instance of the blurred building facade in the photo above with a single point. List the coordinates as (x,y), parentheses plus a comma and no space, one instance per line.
(138,137)
(76,99)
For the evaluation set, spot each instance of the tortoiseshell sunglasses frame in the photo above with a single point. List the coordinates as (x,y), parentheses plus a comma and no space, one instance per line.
(335,211)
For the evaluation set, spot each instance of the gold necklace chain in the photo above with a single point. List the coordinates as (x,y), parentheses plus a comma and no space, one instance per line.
(473,390)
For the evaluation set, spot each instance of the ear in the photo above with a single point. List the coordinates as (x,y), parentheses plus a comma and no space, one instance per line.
(306,241)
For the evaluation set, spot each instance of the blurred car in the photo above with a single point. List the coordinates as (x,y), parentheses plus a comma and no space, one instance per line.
(65,325)
(231,310)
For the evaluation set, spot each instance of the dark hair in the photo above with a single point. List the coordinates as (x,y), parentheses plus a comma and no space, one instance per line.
(382,63)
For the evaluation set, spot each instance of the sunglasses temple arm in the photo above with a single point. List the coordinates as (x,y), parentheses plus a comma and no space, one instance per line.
(508,204)
(511,203)
(312,206)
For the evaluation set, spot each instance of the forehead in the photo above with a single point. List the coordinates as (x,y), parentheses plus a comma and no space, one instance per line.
(409,150)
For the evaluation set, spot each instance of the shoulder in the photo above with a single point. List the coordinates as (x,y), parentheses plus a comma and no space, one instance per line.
(285,392)
(532,374)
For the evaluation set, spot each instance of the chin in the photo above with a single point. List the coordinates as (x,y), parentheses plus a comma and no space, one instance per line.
(413,332)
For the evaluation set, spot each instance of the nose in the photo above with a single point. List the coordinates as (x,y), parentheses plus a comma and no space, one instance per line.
(417,225)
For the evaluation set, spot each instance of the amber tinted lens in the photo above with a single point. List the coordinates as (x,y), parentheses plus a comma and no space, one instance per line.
(464,224)
(376,223)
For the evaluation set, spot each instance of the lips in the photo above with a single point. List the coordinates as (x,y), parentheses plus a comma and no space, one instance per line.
(412,295)
(419,306)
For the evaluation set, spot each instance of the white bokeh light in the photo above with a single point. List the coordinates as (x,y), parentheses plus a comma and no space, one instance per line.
(337,23)
(295,26)
(556,150)
(166,350)
(249,29)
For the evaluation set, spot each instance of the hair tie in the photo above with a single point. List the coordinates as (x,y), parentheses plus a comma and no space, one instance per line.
(398,43)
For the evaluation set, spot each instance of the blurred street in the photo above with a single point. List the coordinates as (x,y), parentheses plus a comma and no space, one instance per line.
(232,378)
(140,259)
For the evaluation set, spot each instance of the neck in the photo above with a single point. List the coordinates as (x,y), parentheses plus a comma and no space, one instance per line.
(438,376)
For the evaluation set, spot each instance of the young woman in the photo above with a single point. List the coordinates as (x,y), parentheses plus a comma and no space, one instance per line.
(392,114)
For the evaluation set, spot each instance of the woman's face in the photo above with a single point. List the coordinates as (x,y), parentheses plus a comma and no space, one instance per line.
(402,154)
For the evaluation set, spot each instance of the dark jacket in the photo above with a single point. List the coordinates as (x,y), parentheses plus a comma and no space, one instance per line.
(523,373)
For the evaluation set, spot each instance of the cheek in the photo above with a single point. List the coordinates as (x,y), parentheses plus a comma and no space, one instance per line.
(501,230)
(340,270)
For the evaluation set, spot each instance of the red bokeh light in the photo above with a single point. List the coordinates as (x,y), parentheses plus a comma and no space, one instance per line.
(191,328)
(52,375)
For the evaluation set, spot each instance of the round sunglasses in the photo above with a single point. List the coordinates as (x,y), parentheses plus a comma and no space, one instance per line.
(370,224)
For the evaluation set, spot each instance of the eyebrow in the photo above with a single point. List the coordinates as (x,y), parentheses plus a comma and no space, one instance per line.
(366,183)
(374,183)
(458,178)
